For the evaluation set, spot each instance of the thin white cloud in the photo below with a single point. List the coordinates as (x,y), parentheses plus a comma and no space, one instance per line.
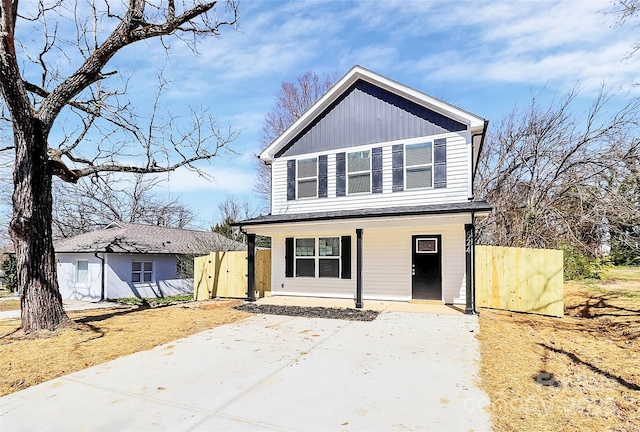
(227,179)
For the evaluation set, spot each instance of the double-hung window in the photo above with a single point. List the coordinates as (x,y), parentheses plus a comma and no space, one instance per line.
(141,271)
(307,178)
(359,172)
(82,272)
(325,258)
(419,166)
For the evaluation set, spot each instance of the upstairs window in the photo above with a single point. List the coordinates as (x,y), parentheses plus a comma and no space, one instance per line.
(141,271)
(307,178)
(359,172)
(419,166)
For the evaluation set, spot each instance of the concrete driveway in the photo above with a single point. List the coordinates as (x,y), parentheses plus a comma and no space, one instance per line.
(403,371)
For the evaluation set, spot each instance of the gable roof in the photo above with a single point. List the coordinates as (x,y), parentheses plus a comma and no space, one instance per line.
(122,237)
(476,124)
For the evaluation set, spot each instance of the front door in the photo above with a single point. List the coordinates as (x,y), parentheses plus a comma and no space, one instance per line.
(426,267)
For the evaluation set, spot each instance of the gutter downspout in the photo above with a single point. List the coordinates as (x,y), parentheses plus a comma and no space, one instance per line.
(483,135)
(101,274)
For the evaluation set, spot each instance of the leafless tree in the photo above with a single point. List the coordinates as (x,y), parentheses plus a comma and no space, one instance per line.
(292,100)
(71,117)
(95,201)
(551,173)
(626,13)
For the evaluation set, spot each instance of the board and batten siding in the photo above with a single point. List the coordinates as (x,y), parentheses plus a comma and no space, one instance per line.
(387,259)
(456,190)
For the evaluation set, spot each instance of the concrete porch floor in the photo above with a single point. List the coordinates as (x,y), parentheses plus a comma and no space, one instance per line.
(377,305)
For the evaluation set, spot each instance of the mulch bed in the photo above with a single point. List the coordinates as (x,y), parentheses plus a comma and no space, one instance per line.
(311,312)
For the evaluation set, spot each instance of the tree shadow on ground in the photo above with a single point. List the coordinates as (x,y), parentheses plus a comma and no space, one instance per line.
(594,368)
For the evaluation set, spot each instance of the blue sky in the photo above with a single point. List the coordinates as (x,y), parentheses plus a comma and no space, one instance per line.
(485,57)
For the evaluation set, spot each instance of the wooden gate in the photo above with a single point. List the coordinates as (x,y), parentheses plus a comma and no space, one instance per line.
(224,274)
(520,279)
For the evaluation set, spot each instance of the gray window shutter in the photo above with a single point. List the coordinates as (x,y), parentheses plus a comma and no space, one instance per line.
(440,163)
(341,179)
(291,180)
(288,257)
(346,257)
(322,176)
(397,164)
(376,169)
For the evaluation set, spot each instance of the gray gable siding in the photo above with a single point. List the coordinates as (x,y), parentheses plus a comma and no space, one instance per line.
(367,114)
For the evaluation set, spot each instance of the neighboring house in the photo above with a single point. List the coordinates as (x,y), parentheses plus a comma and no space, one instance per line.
(132,260)
(372,196)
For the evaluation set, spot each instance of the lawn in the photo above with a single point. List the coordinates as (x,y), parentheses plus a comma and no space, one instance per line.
(100,335)
(592,352)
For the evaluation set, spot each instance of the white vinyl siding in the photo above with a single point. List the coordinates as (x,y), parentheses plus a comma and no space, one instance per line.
(458,174)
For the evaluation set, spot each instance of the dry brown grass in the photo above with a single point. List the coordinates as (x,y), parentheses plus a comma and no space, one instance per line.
(593,351)
(7,305)
(100,335)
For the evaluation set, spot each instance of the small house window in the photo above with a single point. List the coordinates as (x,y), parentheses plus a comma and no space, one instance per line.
(305,257)
(359,172)
(326,260)
(82,272)
(419,166)
(141,271)
(308,178)
(329,257)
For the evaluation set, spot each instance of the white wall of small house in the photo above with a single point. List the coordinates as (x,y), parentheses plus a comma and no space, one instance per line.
(69,288)
(387,257)
(457,190)
(118,278)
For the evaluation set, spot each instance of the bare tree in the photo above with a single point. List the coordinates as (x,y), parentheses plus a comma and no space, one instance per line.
(63,83)
(626,12)
(545,172)
(97,200)
(292,100)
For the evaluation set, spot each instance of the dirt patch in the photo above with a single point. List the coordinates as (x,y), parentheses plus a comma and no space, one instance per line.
(311,312)
(579,372)
(99,335)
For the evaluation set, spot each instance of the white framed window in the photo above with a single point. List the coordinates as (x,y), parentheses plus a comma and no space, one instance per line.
(307,178)
(418,166)
(359,172)
(82,272)
(325,257)
(141,271)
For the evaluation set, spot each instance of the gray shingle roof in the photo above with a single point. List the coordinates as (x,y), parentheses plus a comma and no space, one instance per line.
(121,237)
(465,207)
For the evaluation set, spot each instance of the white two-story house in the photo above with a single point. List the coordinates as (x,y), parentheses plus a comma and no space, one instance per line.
(372,196)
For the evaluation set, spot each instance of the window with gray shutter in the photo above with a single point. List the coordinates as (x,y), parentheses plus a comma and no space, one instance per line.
(397,163)
(376,170)
(322,176)
(440,163)
(291,180)
(341,179)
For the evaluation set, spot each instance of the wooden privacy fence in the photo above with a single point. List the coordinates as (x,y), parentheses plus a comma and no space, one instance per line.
(520,279)
(224,274)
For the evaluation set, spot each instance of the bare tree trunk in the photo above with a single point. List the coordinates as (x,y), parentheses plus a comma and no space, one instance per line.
(40,300)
